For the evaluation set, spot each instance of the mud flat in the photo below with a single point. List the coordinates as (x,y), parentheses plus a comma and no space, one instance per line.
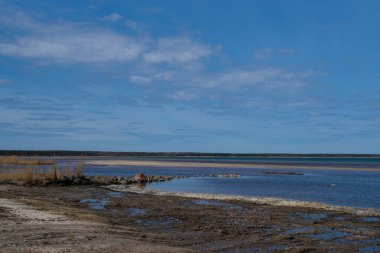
(96,219)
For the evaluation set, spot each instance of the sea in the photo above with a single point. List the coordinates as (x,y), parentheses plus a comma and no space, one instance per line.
(352,188)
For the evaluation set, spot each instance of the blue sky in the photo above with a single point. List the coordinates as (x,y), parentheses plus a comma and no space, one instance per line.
(210,76)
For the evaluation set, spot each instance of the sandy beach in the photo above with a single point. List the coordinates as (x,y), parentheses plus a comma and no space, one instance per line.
(220,165)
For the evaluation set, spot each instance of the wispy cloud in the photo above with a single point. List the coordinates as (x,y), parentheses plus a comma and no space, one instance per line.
(131,24)
(164,69)
(4,81)
(267,53)
(113,17)
(263,53)
(85,47)
(177,50)
(85,43)
(182,95)
(234,80)
(67,42)
(269,78)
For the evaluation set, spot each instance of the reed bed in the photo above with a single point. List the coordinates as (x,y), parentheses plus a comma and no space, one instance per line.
(32,174)
(14,160)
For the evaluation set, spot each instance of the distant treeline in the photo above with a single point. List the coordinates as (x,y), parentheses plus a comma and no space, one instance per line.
(171,154)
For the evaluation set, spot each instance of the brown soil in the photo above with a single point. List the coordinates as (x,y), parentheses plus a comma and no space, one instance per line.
(60,219)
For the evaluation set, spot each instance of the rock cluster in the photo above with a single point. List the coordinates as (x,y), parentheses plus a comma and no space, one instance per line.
(142,179)
(224,175)
(282,173)
(96,180)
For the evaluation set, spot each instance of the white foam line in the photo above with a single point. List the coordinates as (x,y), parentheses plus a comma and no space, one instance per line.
(257,200)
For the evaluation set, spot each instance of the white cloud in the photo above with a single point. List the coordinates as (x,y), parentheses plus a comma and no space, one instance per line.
(75,46)
(85,43)
(113,17)
(177,50)
(167,68)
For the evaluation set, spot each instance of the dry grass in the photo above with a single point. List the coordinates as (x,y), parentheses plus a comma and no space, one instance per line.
(14,160)
(30,174)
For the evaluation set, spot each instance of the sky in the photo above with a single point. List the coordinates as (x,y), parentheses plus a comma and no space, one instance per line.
(205,76)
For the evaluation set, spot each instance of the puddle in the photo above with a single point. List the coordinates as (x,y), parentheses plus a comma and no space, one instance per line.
(115,194)
(330,235)
(158,223)
(370,249)
(371,219)
(371,241)
(216,203)
(312,216)
(96,204)
(136,211)
(274,248)
(299,230)
(359,228)
(343,241)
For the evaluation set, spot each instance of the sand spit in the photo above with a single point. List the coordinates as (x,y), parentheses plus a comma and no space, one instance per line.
(221,165)
(256,200)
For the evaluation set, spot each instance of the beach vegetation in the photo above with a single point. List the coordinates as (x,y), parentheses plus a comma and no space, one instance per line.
(29,175)
(15,160)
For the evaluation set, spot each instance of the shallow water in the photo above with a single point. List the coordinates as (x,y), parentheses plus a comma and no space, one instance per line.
(217,204)
(96,204)
(354,189)
(370,249)
(371,219)
(312,216)
(330,235)
(136,211)
(299,230)
(343,188)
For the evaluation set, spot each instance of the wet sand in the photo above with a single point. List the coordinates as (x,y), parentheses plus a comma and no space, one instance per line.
(222,165)
(96,219)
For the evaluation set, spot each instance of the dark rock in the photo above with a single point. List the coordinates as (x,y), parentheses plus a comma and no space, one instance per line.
(282,173)
(140,178)
(225,175)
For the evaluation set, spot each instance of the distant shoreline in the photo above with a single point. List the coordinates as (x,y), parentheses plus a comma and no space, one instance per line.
(93,153)
(221,165)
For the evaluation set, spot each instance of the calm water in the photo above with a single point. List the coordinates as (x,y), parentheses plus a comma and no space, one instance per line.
(344,188)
